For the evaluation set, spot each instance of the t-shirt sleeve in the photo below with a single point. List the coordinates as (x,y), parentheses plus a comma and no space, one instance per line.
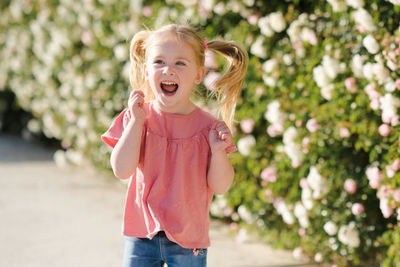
(114,133)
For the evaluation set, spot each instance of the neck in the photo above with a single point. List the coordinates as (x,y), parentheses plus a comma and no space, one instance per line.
(181,110)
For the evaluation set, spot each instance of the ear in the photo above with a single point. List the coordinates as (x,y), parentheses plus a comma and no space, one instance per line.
(201,72)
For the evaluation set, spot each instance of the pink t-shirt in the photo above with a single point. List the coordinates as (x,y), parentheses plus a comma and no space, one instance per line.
(169,191)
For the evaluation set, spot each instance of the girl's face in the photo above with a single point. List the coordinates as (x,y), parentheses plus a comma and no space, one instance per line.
(172,70)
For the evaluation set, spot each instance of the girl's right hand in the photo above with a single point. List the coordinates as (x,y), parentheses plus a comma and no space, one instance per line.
(135,105)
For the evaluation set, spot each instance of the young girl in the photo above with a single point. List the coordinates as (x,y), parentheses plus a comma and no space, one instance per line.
(174,153)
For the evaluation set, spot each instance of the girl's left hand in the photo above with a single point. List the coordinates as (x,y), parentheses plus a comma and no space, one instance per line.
(220,137)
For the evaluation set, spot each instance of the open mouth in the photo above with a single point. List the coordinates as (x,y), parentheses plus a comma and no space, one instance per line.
(169,88)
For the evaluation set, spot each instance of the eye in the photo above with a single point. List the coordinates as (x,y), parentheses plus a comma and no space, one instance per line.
(181,63)
(158,61)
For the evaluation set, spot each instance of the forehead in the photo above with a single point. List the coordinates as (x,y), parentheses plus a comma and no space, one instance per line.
(169,46)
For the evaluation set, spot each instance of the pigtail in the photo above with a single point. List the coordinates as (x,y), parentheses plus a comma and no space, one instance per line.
(138,58)
(229,86)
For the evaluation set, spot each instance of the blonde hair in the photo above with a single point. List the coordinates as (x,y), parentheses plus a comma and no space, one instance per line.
(227,87)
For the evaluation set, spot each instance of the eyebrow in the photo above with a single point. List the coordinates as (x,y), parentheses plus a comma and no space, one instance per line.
(178,58)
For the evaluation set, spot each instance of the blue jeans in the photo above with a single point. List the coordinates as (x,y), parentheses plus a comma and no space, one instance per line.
(144,252)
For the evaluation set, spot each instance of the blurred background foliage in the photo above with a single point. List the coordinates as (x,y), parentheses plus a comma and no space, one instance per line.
(317,121)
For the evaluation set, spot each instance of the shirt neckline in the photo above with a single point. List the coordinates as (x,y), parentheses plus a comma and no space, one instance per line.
(168,114)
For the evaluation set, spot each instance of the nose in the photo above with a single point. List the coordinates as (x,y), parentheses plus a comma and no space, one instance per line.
(168,70)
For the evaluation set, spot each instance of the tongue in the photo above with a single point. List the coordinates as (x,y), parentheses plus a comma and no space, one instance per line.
(169,88)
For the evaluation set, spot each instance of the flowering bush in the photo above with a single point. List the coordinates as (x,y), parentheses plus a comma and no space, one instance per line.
(318,124)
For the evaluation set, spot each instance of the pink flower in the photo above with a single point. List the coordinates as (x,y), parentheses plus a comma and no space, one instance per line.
(385,118)
(272,131)
(396,164)
(396,195)
(395,120)
(350,84)
(357,208)
(385,207)
(397,51)
(384,130)
(147,11)
(299,123)
(303,183)
(268,192)
(269,174)
(384,191)
(344,132)
(312,125)
(302,232)
(375,104)
(234,226)
(374,176)
(247,125)
(253,19)
(389,171)
(398,81)
(210,79)
(296,163)
(350,186)
(209,60)
(87,37)
(259,90)
(385,42)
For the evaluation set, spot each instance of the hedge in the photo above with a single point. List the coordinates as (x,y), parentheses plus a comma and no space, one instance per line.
(317,121)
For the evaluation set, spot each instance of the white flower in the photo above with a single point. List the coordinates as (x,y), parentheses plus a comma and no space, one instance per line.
(394,2)
(331,66)
(242,236)
(320,76)
(283,209)
(274,115)
(294,31)
(355,3)
(270,65)
(290,135)
(211,78)
(330,228)
(245,144)
(257,48)
(292,149)
(306,198)
(364,19)
(368,70)
(326,91)
(287,59)
(309,36)
(371,44)
(348,235)
(357,65)
(120,52)
(389,105)
(218,206)
(298,253)
(277,21)
(301,213)
(317,183)
(337,5)
(318,257)
(220,8)
(245,214)
(381,73)
(265,28)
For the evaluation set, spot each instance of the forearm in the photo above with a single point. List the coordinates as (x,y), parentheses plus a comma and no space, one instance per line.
(220,173)
(126,153)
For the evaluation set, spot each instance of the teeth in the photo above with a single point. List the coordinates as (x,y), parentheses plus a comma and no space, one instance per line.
(169,83)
